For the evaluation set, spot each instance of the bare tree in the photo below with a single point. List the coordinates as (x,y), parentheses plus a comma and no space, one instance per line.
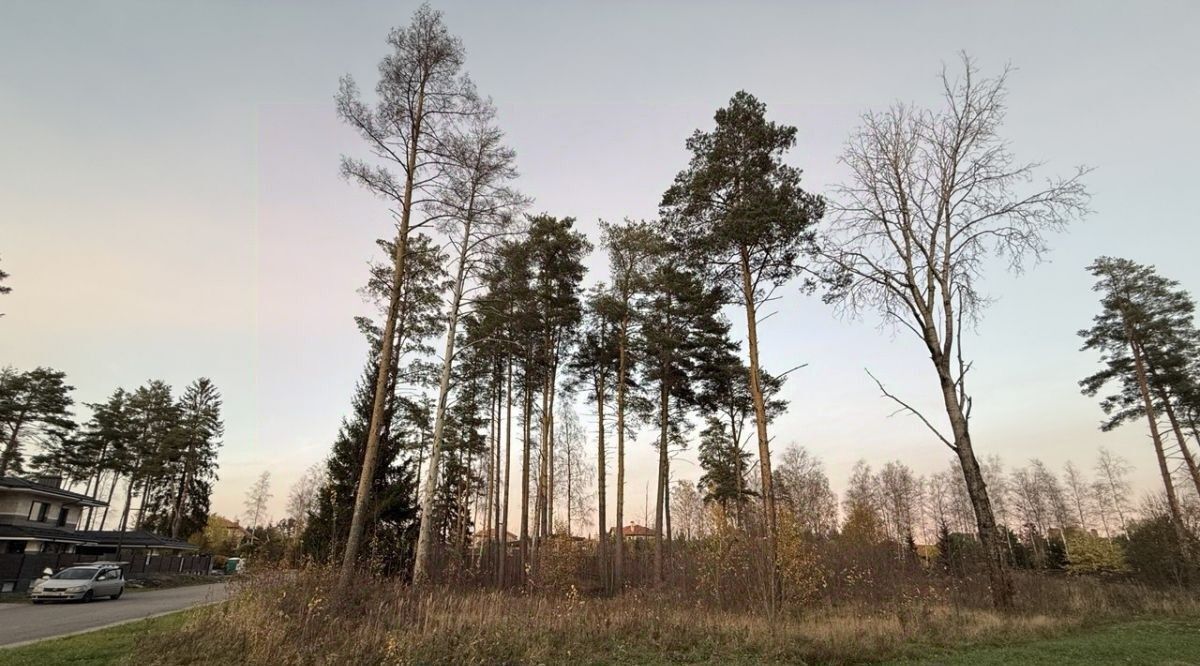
(1112,492)
(257,498)
(899,494)
(932,196)
(1078,493)
(802,488)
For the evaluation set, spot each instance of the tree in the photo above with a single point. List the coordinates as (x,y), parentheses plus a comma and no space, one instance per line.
(476,206)
(1078,494)
(302,501)
(421,91)
(631,247)
(687,506)
(1147,343)
(188,469)
(153,421)
(257,497)
(726,399)
(682,336)
(899,494)
(932,196)
(860,505)
(724,463)
(1112,489)
(35,410)
(740,212)
(556,253)
(802,489)
(595,364)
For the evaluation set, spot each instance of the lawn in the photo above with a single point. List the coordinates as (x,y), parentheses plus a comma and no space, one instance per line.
(1160,642)
(1164,642)
(106,646)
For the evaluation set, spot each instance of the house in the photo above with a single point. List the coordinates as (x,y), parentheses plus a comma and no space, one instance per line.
(39,516)
(486,536)
(39,522)
(633,531)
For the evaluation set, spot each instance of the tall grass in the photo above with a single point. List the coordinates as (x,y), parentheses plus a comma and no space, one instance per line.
(295,617)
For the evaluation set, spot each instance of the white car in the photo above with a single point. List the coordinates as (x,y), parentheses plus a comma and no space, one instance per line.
(82,583)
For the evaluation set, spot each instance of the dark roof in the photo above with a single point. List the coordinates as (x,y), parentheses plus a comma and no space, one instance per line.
(17,483)
(40,534)
(134,539)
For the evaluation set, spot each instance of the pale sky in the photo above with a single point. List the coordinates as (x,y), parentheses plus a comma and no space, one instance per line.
(170,205)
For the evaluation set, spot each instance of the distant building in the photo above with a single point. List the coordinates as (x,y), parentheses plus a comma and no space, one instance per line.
(486,536)
(633,531)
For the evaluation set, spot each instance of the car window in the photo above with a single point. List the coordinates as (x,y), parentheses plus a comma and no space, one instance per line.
(75,574)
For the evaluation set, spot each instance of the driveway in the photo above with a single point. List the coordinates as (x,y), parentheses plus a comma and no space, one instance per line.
(23,623)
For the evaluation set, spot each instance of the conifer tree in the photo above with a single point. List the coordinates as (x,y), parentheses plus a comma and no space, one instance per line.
(35,412)
(738,210)
(421,92)
(1148,343)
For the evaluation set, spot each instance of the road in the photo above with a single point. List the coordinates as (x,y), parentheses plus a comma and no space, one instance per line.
(24,623)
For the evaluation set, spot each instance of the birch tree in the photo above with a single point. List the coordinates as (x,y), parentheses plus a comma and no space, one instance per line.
(932,196)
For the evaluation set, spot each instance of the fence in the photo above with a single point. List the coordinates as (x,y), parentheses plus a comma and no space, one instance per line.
(17,570)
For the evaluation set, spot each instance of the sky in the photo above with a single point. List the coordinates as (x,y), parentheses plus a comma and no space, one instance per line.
(170,204)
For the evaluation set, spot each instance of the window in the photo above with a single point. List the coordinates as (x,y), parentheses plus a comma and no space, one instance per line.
(38,511)
(62,516)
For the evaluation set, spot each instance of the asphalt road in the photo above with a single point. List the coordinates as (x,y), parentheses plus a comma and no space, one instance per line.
(23,623)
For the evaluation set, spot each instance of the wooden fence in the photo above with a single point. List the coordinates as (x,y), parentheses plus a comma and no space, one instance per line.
(17,570)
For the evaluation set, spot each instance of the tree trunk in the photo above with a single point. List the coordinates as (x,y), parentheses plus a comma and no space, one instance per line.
(663,408)
(528,399)
(601,546)
(760,422)
(1181,534)
(421,564)
(985,521)
(619,525)
(1188,460)
(370,455)
(507,470)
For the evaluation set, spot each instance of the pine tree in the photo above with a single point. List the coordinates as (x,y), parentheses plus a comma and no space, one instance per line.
(681,335)
(1147,342)
(595,365)
(632,247)
(476,205)
(35,412)
(739,211)
(421,91)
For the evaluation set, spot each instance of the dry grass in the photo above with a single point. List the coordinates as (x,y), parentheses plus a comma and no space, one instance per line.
(293,618)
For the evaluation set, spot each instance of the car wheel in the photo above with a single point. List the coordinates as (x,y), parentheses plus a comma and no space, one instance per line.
(38,602)
(87,596)
(118,594)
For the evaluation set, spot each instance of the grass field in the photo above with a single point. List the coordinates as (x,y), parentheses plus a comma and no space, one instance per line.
(106,646)
(1171,642)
